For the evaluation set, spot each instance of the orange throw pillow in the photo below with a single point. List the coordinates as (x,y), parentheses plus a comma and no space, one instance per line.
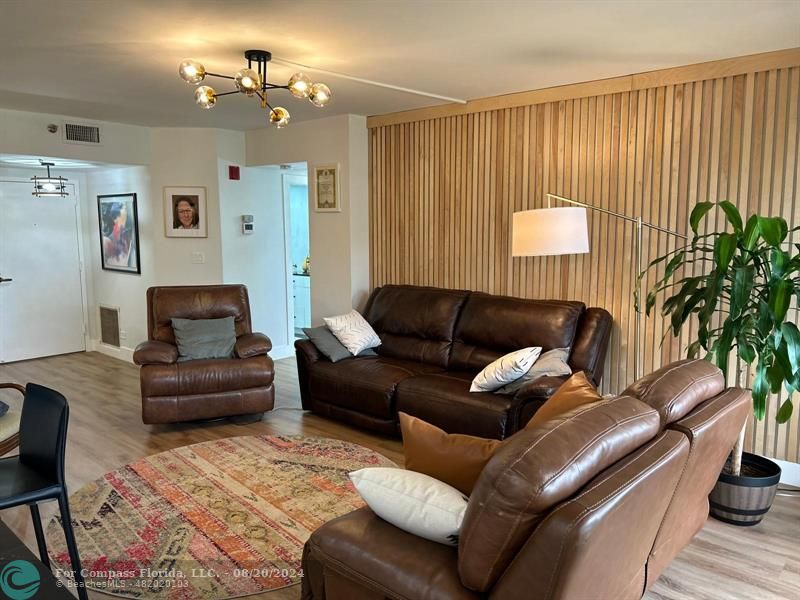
(453,458)
(575,391)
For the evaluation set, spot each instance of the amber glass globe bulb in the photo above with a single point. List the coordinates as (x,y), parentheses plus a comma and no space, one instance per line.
(300,85)
(247,81)
(320,94)
(279,117)
(191,71)
(205,96)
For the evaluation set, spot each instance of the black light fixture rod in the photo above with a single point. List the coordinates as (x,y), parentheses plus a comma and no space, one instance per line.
(219,75)
(227,93)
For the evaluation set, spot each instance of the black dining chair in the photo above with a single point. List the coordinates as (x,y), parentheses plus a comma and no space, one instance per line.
(36,474)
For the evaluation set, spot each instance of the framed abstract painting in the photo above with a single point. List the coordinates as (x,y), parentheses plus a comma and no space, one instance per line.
(119,233)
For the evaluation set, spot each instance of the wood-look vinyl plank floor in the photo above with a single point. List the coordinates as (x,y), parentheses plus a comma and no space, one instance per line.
(106,432)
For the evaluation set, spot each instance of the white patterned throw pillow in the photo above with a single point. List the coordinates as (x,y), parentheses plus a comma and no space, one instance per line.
(353,331)
(505,369)
(413,502)
(551,363)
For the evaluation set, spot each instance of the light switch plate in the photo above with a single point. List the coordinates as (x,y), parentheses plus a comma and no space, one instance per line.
(198,258)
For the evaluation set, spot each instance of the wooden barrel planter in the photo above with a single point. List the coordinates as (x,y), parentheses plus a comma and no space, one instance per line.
(744,499)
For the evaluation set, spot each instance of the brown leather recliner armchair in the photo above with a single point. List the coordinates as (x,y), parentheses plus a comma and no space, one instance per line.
(174,391)
(592,504)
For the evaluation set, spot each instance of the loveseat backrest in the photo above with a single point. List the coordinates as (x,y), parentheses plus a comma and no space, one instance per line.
(596,544)
(415,323)
(195,302)
(491,326)
(537,469)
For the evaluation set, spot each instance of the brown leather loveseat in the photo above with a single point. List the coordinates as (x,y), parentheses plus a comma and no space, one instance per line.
(174,391)
(434,342)
(591,505)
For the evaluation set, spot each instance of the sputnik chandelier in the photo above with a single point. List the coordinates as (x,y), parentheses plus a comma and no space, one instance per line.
(253,82)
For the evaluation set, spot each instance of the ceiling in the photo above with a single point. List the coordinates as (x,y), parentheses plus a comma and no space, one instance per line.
(117,60)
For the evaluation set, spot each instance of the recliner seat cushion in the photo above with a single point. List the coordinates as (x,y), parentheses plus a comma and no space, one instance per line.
(209,376)
(444,400)
(363,384)
(415,323)
(491,326)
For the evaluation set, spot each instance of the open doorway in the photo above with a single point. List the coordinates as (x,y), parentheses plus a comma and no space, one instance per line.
(298,247)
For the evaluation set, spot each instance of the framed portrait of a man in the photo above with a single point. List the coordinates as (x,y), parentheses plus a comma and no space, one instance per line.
(185,212)
(119,233)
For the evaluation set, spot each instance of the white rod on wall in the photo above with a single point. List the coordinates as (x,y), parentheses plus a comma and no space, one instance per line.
(388,86)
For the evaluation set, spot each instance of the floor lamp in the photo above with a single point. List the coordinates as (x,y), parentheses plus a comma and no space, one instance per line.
(557,231)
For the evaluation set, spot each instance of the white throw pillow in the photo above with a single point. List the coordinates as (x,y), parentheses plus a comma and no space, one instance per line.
(413,502)
(353,331)
(550,364)
(505,369)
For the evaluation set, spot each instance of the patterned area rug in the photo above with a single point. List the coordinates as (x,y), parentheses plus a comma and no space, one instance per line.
(215,520)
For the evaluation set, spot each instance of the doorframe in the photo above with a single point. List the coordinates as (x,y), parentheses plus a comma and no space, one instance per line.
(286,180)
(79,230)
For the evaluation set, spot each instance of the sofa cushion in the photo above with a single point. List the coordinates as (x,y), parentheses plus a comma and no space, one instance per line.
(538,468)
(363,384)
(491,326)
(444,400)
(415,323)
(209,376)
(372,554)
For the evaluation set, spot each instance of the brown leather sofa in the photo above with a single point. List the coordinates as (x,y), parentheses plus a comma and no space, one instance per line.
(434,342)
(174,391)
(591,505)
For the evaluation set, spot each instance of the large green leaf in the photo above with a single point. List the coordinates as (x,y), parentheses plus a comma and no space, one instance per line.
(785,411)
(751,233)
(773,229)
(698,212)
(733,215)
(791,337)
(743,282)
(760,390)
(779,262)
(724,247)
(780,296)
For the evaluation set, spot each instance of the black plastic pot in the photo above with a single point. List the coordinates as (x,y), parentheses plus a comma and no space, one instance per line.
(744,499)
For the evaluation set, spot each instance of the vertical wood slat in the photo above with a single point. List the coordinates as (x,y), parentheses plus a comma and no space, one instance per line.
(443,190)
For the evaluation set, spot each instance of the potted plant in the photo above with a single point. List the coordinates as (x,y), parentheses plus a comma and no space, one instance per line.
(739,295)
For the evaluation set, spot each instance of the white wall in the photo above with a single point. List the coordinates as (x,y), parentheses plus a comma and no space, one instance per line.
(145,160)
(339,241)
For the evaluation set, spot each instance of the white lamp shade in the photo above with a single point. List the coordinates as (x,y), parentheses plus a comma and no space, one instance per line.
(550,231)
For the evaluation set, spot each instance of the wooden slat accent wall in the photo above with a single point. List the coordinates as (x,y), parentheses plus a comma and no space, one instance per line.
(442,192)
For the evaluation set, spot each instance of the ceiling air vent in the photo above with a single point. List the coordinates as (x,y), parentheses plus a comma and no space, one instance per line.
(78,133)
(109,325)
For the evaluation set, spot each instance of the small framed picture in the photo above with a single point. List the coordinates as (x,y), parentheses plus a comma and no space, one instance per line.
(118,220)
(185,212)
(326,189)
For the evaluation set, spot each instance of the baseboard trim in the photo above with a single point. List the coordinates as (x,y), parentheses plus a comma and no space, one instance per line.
(790,472)
(121,353)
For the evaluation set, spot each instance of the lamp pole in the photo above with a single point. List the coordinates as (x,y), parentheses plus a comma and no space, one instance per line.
(638,251)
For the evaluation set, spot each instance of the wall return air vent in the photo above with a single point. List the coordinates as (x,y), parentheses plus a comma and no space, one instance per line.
(109,326)
(79,133)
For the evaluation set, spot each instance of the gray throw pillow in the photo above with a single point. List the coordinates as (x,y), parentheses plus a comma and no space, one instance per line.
(331,347)
(549,364)
(204,338)
(3,408)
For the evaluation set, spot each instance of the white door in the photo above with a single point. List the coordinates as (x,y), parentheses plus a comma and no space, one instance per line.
(41,303)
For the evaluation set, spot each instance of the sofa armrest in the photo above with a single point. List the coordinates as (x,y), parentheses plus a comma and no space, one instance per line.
(306,349)
(155,353)
(252,344)
(541,388)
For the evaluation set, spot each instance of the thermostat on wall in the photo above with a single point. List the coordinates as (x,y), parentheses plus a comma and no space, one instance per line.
(247,224)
